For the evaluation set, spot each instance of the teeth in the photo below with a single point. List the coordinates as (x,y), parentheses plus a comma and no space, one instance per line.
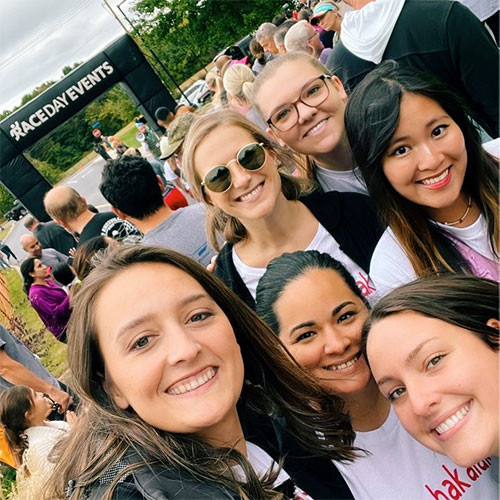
(343,366)
(193,384)
(251,194)
(316,127)
(450,422)
(436,179)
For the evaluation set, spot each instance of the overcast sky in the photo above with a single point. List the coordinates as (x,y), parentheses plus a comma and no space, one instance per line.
(39,37)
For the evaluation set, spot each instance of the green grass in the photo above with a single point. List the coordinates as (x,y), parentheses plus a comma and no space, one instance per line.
(127,135)
(31,330)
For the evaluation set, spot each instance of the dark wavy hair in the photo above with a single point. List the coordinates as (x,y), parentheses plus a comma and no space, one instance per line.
(464,301)
(288,267)
(372,117)
(274,385)
(26,268)
(83,258)
(15,402)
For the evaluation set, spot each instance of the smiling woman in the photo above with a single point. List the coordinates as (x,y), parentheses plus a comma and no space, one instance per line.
(262,211)
(441,372)
(313,305)
(176,381)
(433,183)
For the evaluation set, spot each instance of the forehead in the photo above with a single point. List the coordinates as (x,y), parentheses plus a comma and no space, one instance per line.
(315,292)
(285,85)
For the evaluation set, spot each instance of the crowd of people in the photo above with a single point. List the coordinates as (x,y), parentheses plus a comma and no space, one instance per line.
(318,319)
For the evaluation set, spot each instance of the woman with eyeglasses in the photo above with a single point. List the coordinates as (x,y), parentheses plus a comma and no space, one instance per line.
(262,212)
(304,106)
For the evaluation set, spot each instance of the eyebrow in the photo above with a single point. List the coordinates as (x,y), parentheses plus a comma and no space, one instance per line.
(409,359)
(312,323)
(141,319)
(300,93)
(427,125)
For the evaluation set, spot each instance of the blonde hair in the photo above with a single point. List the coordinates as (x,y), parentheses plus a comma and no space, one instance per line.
(238,81)
(64,203)
(217,221)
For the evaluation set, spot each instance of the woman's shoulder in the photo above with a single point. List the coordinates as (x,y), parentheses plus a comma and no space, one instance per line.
(390,266)
(154,482)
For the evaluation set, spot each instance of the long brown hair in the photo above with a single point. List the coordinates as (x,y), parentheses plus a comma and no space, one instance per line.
(15,402)
(274,385)
(464,301)
(217,221)
(372,116)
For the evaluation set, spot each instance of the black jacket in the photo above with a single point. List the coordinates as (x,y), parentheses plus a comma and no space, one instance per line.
(317,476)
(349,217)
(442,38)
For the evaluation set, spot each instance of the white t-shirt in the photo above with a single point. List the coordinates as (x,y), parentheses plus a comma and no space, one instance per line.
(262,463)
(323,241)
(349,181)
(400,468)
(390,266)
(482,8)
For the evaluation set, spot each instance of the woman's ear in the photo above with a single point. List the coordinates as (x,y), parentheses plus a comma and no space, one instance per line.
(493,323)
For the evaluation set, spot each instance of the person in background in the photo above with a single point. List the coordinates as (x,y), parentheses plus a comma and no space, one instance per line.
(164,117)
(265,36)
(31,437)
(441,371)
(238,83)
(214,82)
(135,194)
(69,209)
(173,151)
(423,35)
(4,264)
(48,256)
(183,417)
(432,182)
(327,16)
(49,300)
(19,366)
(51,235)
(279,37)
(6,250)
(84,261)
(302,36)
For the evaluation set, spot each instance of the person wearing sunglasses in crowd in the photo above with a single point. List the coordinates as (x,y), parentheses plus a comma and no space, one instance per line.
(262,212)
(312,303)
(173,377)
(433,183)
(304,106)
(441,373)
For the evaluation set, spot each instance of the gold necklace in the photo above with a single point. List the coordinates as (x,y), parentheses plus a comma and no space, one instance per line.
(466,213)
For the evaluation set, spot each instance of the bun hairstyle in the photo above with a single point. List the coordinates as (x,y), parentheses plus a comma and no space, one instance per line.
(238,81)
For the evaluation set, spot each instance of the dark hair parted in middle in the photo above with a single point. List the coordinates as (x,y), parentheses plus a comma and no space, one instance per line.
(130,184)
(289,266)
(372,117)
(464,301)
(274,385)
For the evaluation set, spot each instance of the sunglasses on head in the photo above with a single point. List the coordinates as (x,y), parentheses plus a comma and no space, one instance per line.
(250,157)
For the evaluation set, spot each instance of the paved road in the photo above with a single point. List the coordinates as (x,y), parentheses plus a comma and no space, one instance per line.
(86,182)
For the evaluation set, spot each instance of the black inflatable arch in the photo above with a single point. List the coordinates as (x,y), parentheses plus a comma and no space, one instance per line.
(120,62)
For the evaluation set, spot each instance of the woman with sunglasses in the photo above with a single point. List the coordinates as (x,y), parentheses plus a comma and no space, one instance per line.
(304,109)
(262,212)
(179,383)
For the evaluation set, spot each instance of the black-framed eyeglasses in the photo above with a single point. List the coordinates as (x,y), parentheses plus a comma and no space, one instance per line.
(313,94)
(251,157)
